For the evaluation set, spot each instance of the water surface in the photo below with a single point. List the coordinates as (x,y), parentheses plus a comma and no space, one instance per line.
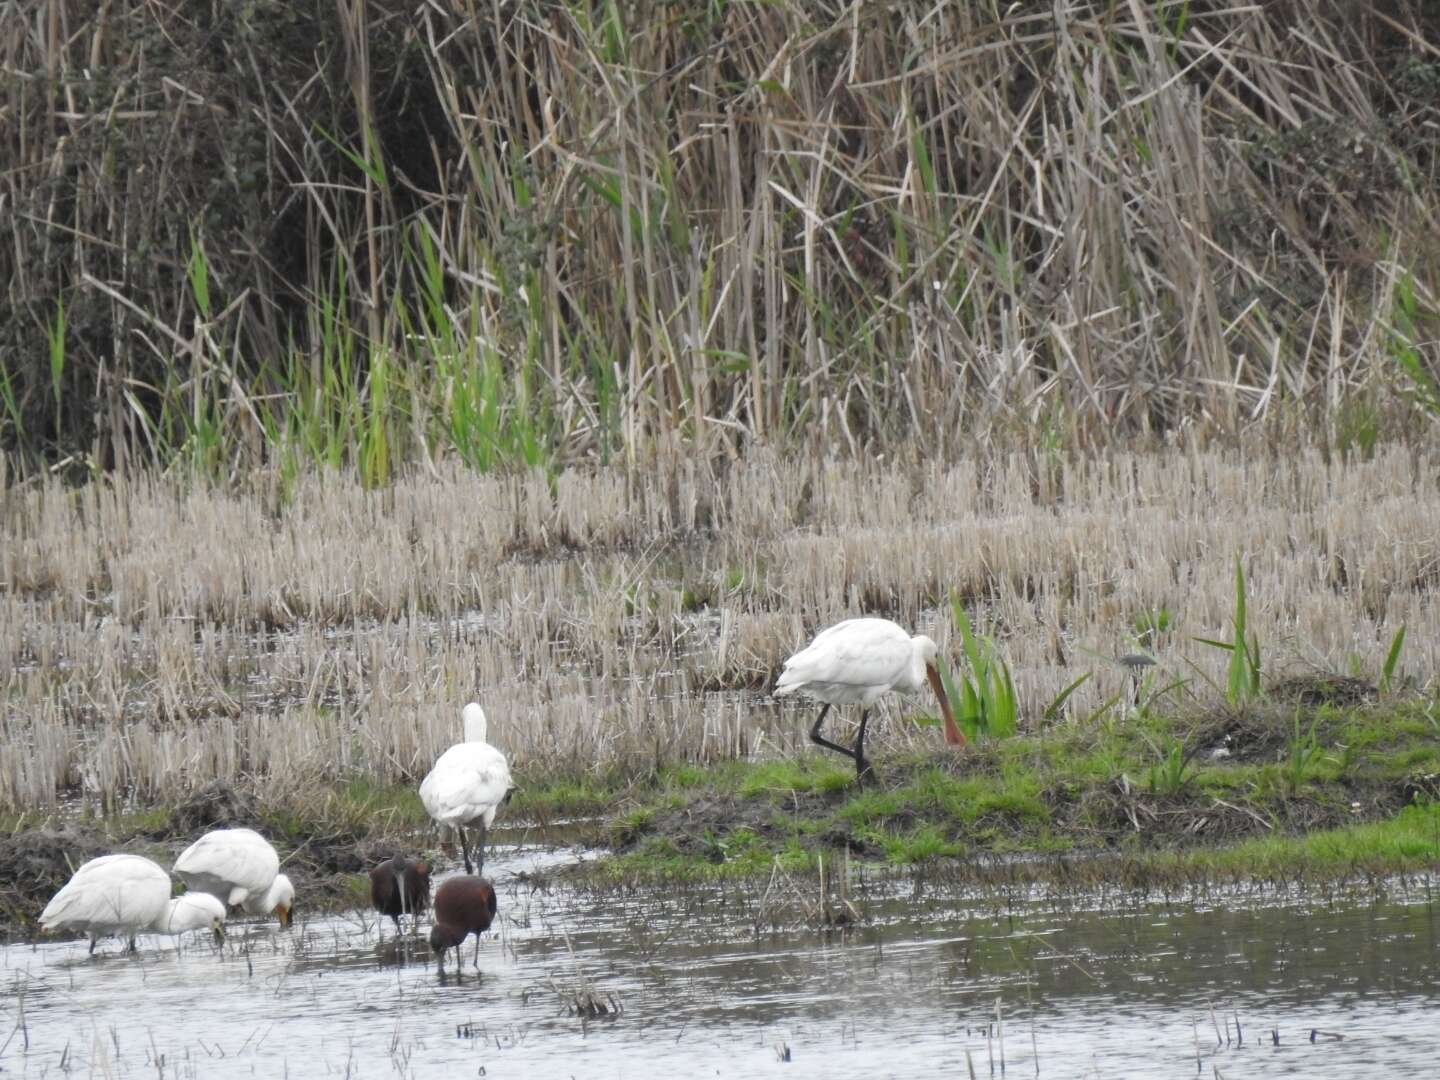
(659,983)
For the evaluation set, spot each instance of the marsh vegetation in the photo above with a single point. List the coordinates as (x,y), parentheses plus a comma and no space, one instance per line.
(308,647)
(550,234)
(585,363)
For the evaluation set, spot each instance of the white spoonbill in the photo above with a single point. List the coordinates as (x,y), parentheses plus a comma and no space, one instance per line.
(466,785)
(114,894)
(858,661)
(192,911)
(238,866)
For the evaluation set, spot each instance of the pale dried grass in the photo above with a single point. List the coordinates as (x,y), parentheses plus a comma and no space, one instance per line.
(155,638)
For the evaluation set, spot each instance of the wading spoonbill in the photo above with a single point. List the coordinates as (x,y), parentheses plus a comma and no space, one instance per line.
(127,895)
(467,783)
(238,866)
(858,661)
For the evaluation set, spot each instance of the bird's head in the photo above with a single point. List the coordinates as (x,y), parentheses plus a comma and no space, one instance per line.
(473,717)
(444,937)
(282,899)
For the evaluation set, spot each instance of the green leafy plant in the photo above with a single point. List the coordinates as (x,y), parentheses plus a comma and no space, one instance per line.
(57,357)
(1392,659)
(1171,773)
(1242,679)
(1303,753)
(1402,344)
(985,701)
(1150,624)
(1052,711)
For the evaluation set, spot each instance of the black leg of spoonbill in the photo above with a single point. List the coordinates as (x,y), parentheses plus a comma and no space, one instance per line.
(480,848)
(863,771)
(820,740)
(464,849)
(93,940)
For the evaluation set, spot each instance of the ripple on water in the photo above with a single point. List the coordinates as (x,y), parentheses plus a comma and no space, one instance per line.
(1084,989)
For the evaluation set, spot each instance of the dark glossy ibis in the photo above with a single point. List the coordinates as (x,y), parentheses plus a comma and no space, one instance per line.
(463,905)
(400,886)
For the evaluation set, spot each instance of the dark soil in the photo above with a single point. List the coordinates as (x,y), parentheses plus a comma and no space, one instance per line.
(35,864)
(1240,780)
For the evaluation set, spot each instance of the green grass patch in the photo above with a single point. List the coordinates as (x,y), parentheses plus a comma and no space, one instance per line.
(793,775)
(1149,785)
(1406,842)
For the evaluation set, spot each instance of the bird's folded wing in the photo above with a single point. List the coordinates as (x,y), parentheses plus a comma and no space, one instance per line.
(247,862)
(855,653)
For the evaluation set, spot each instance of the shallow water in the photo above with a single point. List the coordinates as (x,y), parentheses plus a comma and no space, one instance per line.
(1081,991)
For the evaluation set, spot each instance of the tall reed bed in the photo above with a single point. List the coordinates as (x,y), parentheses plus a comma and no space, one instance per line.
(281,636)
(361,233)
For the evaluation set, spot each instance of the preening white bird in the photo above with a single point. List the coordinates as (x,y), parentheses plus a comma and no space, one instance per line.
(114,894)
(856,662)
(238,867)
(467,784)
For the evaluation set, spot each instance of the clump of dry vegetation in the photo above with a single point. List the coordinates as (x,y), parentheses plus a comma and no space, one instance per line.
(156,636)
(367,234)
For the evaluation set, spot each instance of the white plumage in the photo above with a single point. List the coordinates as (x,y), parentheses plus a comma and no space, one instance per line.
(193,911)
(856,662)
(469,781)
(238,867)
(114,894)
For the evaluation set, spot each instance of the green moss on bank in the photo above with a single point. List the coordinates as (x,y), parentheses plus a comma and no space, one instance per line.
(1275,789)
(1274,792)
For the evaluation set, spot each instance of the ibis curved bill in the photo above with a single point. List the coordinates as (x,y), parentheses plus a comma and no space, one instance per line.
(400,886)
(467,785)
(464,905)
(857,662)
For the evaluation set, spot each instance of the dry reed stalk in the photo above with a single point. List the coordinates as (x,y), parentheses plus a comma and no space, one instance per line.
(156,635)
(815,226)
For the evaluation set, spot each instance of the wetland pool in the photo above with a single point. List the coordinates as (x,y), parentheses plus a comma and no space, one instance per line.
(681,982)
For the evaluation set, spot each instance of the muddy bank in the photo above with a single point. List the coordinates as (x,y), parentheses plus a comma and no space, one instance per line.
(1306,789)
(1286,787)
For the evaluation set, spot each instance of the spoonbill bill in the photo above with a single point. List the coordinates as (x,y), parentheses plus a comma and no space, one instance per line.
(467,784)
(858,661)
(238,867)
(464,905)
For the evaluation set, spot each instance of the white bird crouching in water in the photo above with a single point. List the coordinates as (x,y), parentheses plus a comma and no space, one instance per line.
(467,784)
(859,661)
(238,867)
(114,894)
